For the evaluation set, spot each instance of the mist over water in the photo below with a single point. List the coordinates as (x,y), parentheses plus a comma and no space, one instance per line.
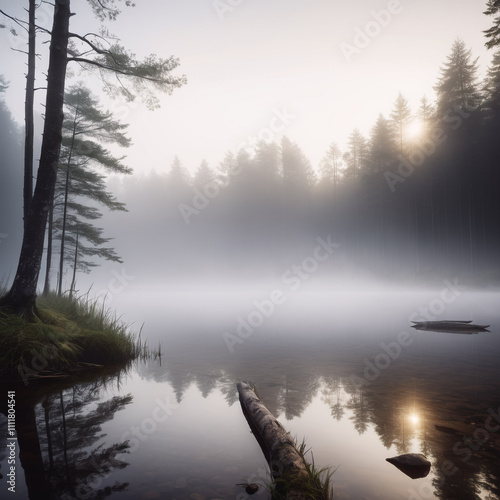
(342,369)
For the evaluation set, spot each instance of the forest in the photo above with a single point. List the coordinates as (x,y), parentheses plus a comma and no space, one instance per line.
(416,201)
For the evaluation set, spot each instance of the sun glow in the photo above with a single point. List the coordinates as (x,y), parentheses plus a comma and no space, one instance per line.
(415,129)
(414,418)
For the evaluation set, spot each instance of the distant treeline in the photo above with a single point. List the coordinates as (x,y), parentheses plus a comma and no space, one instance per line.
(419,198)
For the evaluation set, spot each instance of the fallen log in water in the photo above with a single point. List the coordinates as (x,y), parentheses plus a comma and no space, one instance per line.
(291,474)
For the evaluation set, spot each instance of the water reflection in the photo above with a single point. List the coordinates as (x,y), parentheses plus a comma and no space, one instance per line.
(359,394)
(439,380)
(62,449)
(75,464)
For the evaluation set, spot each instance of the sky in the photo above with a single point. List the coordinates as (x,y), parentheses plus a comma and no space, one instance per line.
(312,70)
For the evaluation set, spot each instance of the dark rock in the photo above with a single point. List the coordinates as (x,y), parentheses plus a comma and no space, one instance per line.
(413,465)
(252,488)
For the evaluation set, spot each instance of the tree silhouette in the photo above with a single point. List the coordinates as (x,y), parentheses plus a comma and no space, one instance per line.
(457,88)
(356,156)
(493,33)
(145,77)
(79,183)
(71,431)
(382,148)
(330,168)
(400,116)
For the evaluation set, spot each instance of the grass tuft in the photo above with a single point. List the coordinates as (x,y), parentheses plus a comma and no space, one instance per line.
(318,485)
(66,331)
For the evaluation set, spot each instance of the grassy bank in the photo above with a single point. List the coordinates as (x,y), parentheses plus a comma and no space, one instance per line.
(66,333)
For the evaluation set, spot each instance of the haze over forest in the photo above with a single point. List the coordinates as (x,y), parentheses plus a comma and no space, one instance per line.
(413,201)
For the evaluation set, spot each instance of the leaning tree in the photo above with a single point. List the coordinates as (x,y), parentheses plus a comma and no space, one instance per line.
(107,58)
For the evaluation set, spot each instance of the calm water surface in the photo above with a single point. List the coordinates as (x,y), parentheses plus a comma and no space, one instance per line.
(341,370)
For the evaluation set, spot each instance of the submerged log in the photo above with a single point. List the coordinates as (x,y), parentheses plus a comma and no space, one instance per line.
(286,464)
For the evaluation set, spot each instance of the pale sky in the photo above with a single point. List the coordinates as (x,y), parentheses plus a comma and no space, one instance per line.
(268,67)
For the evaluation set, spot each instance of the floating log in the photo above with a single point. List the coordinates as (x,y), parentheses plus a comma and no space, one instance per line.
(451,326)
(279,448)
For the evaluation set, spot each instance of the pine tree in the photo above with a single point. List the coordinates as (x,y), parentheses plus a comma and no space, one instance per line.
(178,177)
(85,130)
(297,170)
(382,151)
(400,116)
(493,33)
(91,50)
(178,187)
(356,157)
(227,170)
(457,88)
(426,113)
(331,166)
(204,175)
(492,88)
(267,162)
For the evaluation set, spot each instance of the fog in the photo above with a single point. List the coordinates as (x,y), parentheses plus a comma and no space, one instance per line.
(267,225)
(409,203)
(264,223)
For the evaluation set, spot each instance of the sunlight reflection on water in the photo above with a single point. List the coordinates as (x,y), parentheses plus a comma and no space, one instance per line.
(333,368)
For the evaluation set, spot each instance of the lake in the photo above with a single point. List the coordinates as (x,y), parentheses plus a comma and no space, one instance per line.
(340,369)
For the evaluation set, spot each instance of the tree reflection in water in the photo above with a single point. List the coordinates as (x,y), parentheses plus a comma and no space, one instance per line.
(62,447)
(429,384)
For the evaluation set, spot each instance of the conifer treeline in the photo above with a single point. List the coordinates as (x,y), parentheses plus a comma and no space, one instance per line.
(419,197)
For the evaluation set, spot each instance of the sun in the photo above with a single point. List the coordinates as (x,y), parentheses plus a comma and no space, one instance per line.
(414,419)
(415,129)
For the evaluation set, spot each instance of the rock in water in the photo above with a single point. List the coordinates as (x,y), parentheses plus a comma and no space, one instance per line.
(414,465)
(252,488)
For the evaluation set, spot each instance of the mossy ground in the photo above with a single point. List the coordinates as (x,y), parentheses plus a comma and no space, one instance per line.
(64,333)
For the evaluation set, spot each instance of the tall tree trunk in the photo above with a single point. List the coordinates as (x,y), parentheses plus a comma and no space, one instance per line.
(65,206)
(75,264)
(22,295)
(48,264)
(28,112)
